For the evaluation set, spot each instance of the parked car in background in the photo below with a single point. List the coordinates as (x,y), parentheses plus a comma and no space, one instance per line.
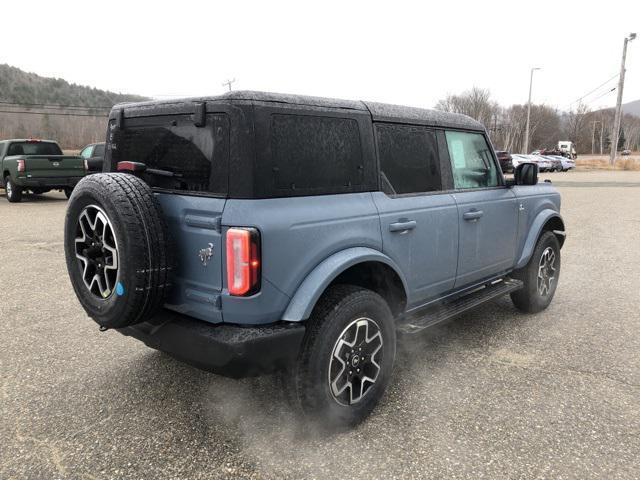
(626,152)
(566,163)
(253,232)
(556,163)
(505,160)
(37,166)
(544,164)
(517,159)
(93,155)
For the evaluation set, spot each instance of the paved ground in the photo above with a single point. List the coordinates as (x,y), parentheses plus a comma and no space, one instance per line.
(494,394)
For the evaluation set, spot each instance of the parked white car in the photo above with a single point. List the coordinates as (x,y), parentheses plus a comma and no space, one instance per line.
(567,163)
(544,164)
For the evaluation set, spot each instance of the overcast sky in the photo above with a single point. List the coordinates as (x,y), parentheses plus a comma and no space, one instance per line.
(394,51)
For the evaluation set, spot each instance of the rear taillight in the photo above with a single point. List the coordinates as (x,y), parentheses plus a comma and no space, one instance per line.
(21,166)
(243,261)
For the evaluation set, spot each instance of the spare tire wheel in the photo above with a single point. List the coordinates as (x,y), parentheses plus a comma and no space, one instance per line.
(116,246)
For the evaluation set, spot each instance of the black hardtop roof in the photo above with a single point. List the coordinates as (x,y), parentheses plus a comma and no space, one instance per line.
(379,111)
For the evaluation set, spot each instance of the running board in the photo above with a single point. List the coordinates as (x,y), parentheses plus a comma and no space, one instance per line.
(445,311)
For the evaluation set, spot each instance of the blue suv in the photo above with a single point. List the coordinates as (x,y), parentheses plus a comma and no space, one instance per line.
(256,232)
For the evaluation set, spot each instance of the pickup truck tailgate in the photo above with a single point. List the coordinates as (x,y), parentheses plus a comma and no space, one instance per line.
(53,166)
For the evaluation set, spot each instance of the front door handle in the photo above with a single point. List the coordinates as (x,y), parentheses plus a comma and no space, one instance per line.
(472,215)
(402,226)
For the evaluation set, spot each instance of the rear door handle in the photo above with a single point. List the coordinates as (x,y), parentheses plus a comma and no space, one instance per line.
(402,226)
(472,214)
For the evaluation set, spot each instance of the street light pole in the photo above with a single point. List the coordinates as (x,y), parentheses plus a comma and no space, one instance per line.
(616,122)
(526,132)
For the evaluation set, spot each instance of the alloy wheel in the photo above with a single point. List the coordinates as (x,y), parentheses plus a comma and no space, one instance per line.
(97,251)
(355,361)
(546,271)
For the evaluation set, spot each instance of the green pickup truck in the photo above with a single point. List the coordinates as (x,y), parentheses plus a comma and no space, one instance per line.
(37,166)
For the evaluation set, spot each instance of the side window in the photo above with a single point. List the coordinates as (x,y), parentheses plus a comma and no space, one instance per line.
(471,160)
(315,153)
(98,151)
(86,153)
(408,158)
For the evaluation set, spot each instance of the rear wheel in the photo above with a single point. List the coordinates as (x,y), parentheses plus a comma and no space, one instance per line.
(346,359)
(540,276)
(14,193)
(68,191)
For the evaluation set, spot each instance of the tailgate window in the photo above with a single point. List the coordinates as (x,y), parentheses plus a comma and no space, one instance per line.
(34,148)
(178,155)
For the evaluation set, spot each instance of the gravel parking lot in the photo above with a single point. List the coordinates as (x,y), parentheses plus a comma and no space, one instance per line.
(492,394)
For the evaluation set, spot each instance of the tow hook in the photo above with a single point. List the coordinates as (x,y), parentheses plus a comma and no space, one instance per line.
(103,328)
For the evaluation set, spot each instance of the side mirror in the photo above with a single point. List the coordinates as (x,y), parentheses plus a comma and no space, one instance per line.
(526,174)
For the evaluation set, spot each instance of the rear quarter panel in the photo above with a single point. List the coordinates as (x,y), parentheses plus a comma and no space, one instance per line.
(297,234)
(536,204)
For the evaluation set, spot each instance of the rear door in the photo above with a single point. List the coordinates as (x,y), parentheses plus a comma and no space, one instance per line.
(487,209)
(187,167)
(419,221)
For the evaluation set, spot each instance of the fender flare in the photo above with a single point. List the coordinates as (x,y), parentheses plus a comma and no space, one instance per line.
(534,233)
(315,283)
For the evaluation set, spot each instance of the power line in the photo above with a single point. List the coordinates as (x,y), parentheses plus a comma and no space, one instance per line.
(599,97)
(599,86)
(25,112)
(52,105)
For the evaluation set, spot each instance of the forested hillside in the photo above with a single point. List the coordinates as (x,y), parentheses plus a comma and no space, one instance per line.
(40,107)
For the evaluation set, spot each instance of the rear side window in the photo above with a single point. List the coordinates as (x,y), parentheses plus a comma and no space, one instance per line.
(34,148)
(178,155)
(314,153)
(471,161)
(98,151)
(408,159)
(86,153)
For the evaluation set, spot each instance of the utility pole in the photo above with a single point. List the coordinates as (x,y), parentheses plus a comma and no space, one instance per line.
(593,135)
(616,122)
(601,138)
(526,132)
(228,83)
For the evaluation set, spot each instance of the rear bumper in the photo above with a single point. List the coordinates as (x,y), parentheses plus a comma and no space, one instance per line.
(230,350)
(47,182)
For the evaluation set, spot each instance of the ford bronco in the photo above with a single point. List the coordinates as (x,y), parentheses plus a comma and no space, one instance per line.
(38,166)
(257,232)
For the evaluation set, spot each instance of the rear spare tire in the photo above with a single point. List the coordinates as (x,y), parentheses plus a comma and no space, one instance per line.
(116,249)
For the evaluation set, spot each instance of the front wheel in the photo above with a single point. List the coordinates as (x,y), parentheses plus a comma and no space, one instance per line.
(540,276)
(346,358)
(14,193)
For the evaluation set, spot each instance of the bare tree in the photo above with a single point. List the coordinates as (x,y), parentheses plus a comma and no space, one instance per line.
(475,103)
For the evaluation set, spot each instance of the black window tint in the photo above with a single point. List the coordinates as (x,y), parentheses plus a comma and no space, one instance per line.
(408,158)
(178,155)
(314,153)
(98,151)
